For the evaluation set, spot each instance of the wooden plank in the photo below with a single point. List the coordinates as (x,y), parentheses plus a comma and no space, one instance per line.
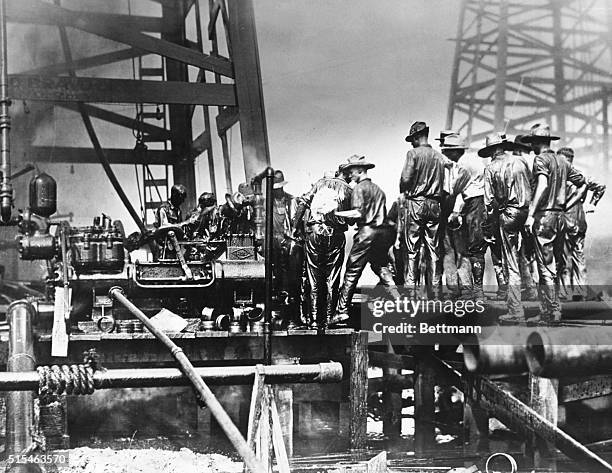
(36,11)
(88,62)
(280,451)
(109,116)
(585,389)
(358,390)
(284,403)
(256,407)
(200,144)
(253,130)
(87,89)
(424,408)
(392,403)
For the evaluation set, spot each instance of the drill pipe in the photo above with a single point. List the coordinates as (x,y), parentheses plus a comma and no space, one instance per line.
(216,409)
(556,352)
(501,352)
(6,189)
(161,377)
(20,405)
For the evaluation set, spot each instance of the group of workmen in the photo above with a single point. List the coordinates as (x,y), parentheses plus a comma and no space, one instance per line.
(519,199)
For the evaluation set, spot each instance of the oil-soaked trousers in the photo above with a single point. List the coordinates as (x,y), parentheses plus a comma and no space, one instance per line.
(491,230)
(511,224)
(324,257)
(455,265)
(573,272)
(474,216)
(370,245)
(421,242)
(549,229)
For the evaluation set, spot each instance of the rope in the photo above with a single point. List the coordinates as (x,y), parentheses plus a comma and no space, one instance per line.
(68,379)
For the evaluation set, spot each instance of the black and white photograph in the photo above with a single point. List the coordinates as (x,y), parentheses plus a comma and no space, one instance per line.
(305,236)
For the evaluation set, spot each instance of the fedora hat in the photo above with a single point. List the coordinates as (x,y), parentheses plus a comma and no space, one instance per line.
(417,128)
(444,134)
(540,131)
(493,141)
(454,141)
(356,161)
(279,180)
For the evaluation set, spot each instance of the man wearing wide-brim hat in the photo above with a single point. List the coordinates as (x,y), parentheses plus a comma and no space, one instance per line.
(468,213)
(324,244)
(373,238)
(287,258)
(507,195)
(546,216)
(422,182)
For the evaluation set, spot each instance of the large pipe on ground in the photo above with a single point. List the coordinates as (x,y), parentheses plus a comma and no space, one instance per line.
(330,372)
(20,405)
(499,352)
(203,391)
(555,352)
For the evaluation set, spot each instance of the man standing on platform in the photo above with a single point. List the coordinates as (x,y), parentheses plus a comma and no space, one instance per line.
(373,239)
(455,262)
(286,257)
(573,275)
(546,219)
(469,212)
(507,194)
(422,182)
(325,244)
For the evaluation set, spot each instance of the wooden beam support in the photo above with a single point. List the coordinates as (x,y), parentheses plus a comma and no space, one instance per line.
(577,390)
(249,93)
(59,154)
(18,12)
(152,131)
(88,62)
(36,11)
(86,89)
(200,144)
(358,395)
(228,117)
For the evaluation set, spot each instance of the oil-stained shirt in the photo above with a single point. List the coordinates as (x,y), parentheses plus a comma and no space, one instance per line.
(423,173)
(370,200)
(325,196)
(559,172)
(507,183)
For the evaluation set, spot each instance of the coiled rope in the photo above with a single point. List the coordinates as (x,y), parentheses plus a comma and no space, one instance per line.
(68,379)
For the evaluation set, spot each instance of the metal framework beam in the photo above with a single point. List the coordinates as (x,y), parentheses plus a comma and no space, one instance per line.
(524,60)
(87,89)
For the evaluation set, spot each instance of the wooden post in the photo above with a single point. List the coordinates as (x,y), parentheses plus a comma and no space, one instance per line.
(544,399)
(392,402)
(424,385)
(284,402)
(358,392)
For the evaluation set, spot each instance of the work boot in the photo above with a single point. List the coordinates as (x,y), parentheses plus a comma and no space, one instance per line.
(542,319)
(530,294)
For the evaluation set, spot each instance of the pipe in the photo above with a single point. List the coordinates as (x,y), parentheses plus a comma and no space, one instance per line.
(204,392)
(20,405)
(324,373)
(6,189)
(500,352)
(557,352)
(268,260)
